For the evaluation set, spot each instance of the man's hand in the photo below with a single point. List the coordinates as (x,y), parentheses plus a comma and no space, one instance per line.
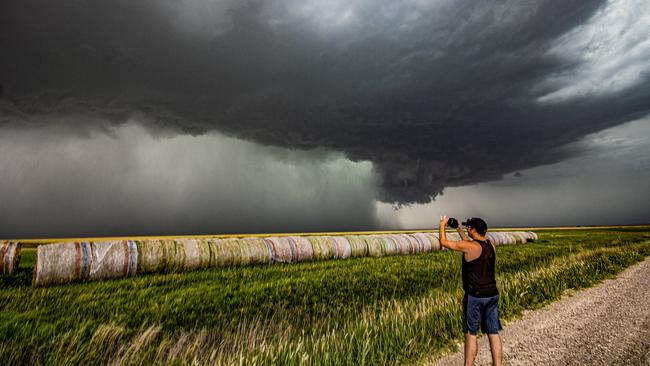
(443,222)
(461,232)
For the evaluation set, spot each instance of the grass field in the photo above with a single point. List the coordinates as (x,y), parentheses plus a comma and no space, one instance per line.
(387,310)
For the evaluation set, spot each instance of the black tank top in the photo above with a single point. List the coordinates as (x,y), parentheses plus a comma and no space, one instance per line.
(478,275)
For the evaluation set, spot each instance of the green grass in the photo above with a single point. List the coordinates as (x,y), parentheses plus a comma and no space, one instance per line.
(388,310)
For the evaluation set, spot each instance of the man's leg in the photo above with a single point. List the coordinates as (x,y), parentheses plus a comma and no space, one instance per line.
(496,348)
(471,349)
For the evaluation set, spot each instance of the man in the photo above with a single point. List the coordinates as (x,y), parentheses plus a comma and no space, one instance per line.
(481,300)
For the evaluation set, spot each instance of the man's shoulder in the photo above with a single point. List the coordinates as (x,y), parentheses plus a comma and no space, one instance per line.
(470,244)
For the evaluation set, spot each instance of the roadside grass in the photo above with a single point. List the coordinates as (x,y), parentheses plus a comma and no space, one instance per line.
(389,310)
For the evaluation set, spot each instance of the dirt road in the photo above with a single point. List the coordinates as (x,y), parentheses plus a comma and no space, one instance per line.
(608,324)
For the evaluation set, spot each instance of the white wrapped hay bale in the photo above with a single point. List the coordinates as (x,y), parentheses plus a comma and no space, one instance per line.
(213,247)
(515,237)
(435,241)
(197,254)
(375,245)
(278,249)
(302,248)
(151,256)
(524,236)
(414,244)
(341,247)
(174,255)
(533,235)
(425,243)
(401,245)
(241,251)
(113,259)
(10,257)
(77,261)
(61,263)
(358,246)
(287,249)
(500,239)
(418,244)
(254,251)
(404,244)
(322,247)
(389,245)
(226,252)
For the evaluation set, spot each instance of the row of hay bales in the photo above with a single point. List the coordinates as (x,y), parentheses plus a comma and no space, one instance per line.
(79,261)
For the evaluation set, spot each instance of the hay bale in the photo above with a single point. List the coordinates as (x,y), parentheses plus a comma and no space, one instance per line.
(429,241)
(77,261)
(533,236)
(403,244)
(341,247)
(417,244)
(156,256)
(229,252)
(255,250)
(9,257)
(523,237)
(213,247)
(358,246)
(435,241)
(502,239)
(113,259)
(303,250)
(279,252)
(61,263)
(375,245)
(197,253)
(322,247)
(389,244)
(280,249)
(514,237)
(151,257)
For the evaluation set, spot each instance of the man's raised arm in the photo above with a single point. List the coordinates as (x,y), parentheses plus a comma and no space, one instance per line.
(462,234)
(460,246)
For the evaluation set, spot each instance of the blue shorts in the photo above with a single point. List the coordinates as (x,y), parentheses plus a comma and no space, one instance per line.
(483,312)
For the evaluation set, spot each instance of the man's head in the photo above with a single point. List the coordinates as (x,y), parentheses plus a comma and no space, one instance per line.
(475,225)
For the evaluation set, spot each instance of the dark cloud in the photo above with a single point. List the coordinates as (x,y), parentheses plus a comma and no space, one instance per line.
(436,94)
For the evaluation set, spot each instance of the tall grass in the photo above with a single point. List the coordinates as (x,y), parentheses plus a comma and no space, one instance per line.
(386,310)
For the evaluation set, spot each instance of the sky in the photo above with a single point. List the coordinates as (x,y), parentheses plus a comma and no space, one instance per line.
(204,116)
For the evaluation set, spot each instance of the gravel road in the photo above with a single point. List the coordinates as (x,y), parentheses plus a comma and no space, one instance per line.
(608,324)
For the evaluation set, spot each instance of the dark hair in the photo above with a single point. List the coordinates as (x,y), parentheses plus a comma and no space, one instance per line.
(478,224)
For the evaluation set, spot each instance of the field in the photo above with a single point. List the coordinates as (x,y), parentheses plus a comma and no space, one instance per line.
(387,310)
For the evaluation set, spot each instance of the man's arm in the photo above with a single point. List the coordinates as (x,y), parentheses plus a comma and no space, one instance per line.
(462,234)
(459,246)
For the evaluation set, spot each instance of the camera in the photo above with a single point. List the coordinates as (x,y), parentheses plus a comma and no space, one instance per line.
(453,223)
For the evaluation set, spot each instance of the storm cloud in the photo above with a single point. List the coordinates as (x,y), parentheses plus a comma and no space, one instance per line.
(59,182)
(434,94)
